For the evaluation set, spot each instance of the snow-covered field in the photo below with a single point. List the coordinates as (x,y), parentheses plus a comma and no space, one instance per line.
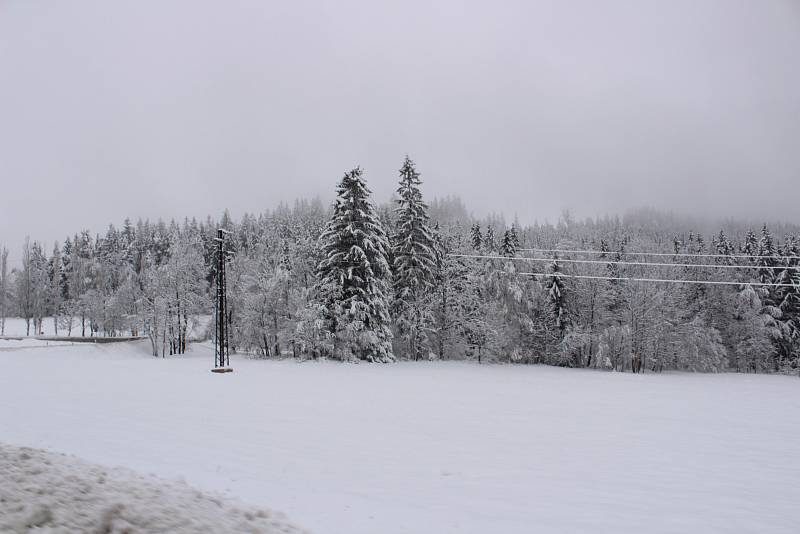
(425,447)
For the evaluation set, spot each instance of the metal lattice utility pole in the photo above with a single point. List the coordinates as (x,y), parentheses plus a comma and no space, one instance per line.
(221,347)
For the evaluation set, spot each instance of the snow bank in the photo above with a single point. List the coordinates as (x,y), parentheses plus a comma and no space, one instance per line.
(47,492)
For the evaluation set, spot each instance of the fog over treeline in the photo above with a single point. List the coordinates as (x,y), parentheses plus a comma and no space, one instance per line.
(359,280)
(185,107)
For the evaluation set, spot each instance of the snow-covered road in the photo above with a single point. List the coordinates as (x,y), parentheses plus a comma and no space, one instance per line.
(426,447)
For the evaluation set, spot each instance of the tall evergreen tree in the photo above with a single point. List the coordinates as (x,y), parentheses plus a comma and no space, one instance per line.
(750,245)
(414,262)
(700,244)
(508,247)
(488,241)
(554,286)
(514,236)
(766,252)
(788,302)
(475,236)
(723,247)
(677,245)
(354,275)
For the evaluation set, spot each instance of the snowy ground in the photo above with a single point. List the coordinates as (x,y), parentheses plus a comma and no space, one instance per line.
(47,492)
(428,447)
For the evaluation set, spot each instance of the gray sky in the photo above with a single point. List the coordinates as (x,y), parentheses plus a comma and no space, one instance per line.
(172,108)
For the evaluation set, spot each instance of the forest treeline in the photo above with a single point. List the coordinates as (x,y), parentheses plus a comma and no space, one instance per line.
(400,280)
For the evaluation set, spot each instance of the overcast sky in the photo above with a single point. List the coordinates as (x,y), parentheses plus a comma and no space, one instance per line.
(112,109)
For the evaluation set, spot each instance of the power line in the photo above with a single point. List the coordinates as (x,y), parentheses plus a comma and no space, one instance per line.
(672,281)
(682,254)
(619,262)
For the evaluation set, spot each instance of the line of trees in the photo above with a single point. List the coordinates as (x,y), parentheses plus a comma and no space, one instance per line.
(381,282)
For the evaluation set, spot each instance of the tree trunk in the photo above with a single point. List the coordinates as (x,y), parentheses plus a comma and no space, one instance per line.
(164,339)
(275,326)
(185,331)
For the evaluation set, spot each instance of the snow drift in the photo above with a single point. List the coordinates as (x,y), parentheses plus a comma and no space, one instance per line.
(48,492)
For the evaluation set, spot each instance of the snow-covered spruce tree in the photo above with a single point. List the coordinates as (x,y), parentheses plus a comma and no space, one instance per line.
(555,290)
(718,297)
(723,247)
(514,235)
(510,243)
(475,236)
(67,305)
(414,251)
(766,258)
(750,245)
(354,276)
(752,332)
(770,296)
(677,245)
(788,302)
(693,298)
(489,240)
